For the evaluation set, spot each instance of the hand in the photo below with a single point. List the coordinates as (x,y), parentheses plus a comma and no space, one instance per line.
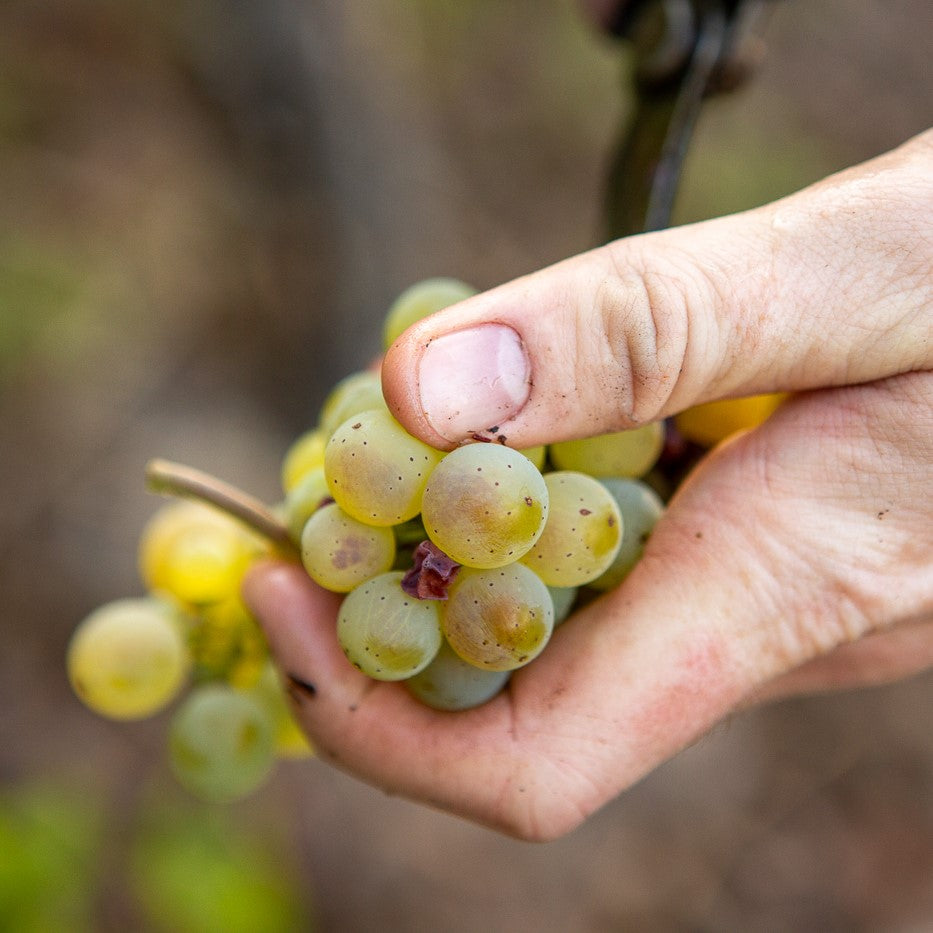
(798,557)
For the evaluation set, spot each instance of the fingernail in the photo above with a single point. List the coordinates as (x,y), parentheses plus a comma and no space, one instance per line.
(472,379)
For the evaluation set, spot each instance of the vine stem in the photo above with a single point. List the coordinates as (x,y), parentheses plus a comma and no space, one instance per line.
(176,479)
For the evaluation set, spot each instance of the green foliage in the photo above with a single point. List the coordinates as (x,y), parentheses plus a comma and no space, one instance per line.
(49,841)
(193,873)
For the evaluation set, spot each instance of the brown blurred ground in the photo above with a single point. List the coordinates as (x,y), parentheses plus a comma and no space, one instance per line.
(204,212)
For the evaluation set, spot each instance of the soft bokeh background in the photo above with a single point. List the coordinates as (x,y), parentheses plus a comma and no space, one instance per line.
(205,209)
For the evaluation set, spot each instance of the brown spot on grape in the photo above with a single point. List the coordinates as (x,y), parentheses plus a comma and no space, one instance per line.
(529,500)
(358,425)
(585,512)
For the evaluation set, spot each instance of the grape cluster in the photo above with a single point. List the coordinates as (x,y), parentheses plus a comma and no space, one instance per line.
(456,568)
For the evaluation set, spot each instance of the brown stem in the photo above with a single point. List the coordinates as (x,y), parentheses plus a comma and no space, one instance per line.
(176,479)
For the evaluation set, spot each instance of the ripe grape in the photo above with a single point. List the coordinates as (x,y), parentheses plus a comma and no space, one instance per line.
(450,683)
(484,505)
(640,507)
(386,633)
(625,453)
(420,300)
(195,553)
(712,422)
(351,396)
(583,531)
(339,552)
(221,743)
(128,658)
(375,470)
(305,454)
(498,619)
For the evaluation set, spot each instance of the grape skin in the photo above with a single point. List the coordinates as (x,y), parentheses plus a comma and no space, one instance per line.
(498,619)
(128,659)
(384,632)
(339,552)
(221,743)
(420,300)
(630,453)
(583,532)
(485,505)
(376,471)
(450,683)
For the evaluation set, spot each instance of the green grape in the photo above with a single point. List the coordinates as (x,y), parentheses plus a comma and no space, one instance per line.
(339,552)
(195,553)
(640,507)
(354,394)
(290,741)
(386,633)
(304,499)
(128,659)
(376,471)
(563,598)
(221,743)
(420,300)
(485,505)
(306,453)
(450,683)
(629,453)
(583,531)
(498,619)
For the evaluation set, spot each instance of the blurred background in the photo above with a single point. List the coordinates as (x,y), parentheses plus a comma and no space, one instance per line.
(205,210)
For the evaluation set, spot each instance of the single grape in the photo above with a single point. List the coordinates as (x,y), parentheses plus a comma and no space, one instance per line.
(221,743)
(306,453)
(304,499)
(128,659)
(420,300)
(375,470)
(624,453)
(640,507)
(450,683)
(195,553)
(354,394)
(339,552)
(484,505)
(563,598)
(712,422)
(386,633)
(498,619)
(583,531)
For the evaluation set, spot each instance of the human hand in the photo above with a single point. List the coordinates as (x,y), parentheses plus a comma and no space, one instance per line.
(797,557)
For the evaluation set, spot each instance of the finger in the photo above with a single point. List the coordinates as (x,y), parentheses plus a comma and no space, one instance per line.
(829,287)
(879,658)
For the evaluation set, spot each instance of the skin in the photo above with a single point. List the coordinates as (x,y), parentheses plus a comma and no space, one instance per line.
(797,558)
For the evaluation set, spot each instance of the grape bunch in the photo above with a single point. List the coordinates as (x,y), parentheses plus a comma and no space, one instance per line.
(456,567)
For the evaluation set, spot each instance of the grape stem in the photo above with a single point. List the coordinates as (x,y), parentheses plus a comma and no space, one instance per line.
(176,479)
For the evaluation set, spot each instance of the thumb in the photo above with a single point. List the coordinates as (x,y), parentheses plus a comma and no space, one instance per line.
(830,286)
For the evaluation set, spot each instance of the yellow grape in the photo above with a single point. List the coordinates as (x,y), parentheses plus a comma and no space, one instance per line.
(128,659)
(195,553)
(623,453)
(712,422)
(354,394)
(583,531)
(420,300)
(498,619)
